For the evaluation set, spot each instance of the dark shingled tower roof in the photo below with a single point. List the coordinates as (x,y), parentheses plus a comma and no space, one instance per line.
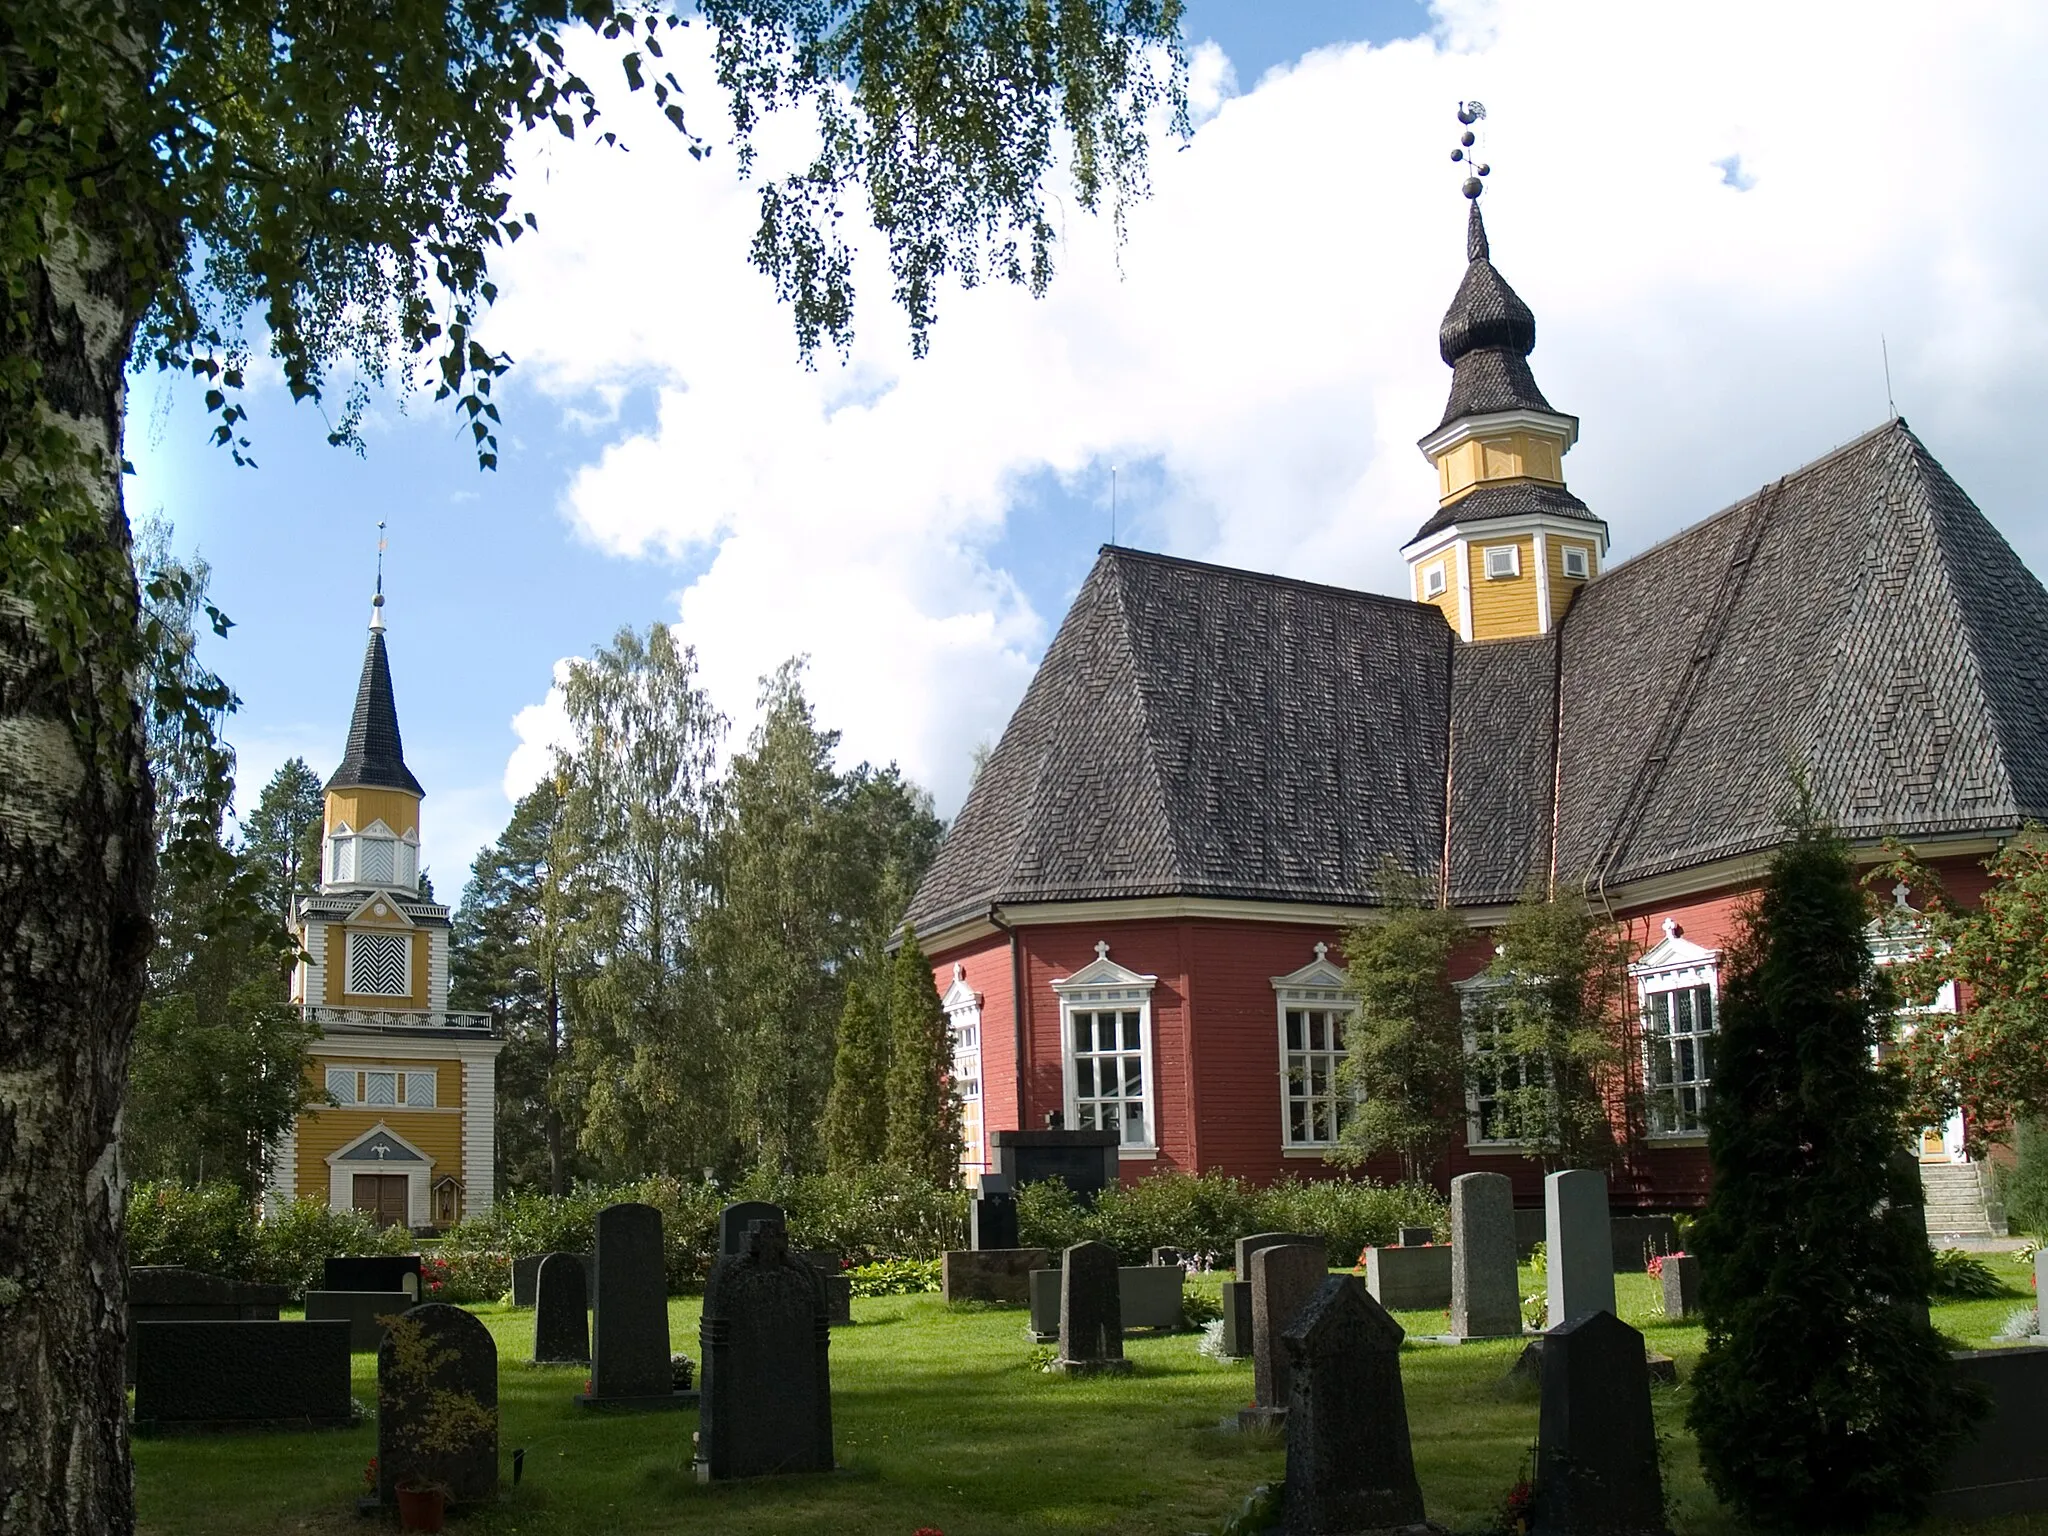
(1486,338)
(375,758)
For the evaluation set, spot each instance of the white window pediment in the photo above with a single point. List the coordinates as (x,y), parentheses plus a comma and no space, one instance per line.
(381,910)
(1104,975)
(959,995)
(1675,953)
(1321,978)
(1106,1051)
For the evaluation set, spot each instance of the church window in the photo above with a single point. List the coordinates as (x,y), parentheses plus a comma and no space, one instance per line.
(380,964)
(963,1020)
(1503,561)
(1434,581)
(1677,988)
(1578,562)
(1106,1043)
(1311,1053)
(1500,1077)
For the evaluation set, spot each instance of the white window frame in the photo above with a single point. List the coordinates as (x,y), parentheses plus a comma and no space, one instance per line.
(1582,557)
(963,1027)
(1470,993)
(1101,986)
(1677,965)
(1510,568)
(1897,936)
(1435,580)
(1318,987)
(345,849)
(348,974)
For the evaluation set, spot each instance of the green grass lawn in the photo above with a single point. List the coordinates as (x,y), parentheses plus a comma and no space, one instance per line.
(940,1419)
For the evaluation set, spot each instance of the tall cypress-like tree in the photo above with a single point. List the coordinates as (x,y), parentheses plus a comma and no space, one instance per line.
(857,1110)
(1824,1398)
(924,1114)
(283,834)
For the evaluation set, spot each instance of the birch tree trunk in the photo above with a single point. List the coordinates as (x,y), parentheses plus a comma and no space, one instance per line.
(77,860)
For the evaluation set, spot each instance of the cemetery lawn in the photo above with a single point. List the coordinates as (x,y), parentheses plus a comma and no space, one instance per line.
(941,1419)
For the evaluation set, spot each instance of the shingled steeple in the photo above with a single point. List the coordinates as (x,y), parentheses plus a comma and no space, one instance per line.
(1508,546)
(375,757)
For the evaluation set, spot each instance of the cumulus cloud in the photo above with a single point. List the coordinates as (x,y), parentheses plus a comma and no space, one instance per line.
(1265,342)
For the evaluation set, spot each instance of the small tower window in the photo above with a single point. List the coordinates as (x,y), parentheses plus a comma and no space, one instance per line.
(1503,561)
(1577,562)
(1433,580)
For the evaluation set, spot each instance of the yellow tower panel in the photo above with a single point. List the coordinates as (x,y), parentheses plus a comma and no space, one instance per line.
(357,808)
(1508,456)
(437,1132)
(1503,604)
(1441,568)
(1564,585)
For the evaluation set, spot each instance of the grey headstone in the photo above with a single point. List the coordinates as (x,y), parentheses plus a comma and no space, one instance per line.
(1237,1319)
(1596,1441)
(629,1343)
(363,1311)
(1349,1463)
(1680,1275)
(1415,1237)
(1578,1250)
(1045,1305)
(461,1357)
(1091,1312)
(561,1318)
(233,1374)
(376,1272)
(1486,1301)
(2040,1288)
(525,1278)
(168,1293)
(1410,1279)
(839,1300)
(992,1221)
(1284,1278)
(767,1369)
(1149,1295)
(997,1274)
(2002,1469)
(1247,1246)
(1169,1256)
(736,1218)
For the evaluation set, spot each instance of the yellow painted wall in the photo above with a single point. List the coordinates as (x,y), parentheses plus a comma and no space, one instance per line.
(1445,602)
(323,1132)
(359,807)
(1508,456)
(1506,605)
(1564,588)
(337,972)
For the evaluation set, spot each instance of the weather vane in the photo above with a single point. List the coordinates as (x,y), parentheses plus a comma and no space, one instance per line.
(378,601)
(1470,112)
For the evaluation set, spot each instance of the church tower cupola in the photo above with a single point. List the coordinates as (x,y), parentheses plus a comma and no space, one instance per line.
(372,831)
(1509,546)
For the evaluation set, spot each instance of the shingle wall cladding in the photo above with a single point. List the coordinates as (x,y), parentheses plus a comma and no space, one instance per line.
(1503,730)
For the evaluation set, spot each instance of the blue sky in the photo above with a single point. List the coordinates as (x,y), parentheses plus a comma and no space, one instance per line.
(1256,366)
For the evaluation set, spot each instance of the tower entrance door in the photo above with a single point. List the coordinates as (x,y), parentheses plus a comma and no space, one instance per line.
(382,1196)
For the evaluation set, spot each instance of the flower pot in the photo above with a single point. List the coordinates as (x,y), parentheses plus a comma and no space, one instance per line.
(422,1509)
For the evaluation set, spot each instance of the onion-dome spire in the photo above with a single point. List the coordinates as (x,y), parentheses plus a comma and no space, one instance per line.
(1488,332)
(375,758)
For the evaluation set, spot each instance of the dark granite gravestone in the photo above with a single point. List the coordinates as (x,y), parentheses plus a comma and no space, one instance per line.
(379,1272)
(363,1311)
(1091,1313)
(831,1263)
(1237,1291)
(629,1365)
(766,1347)
(525,1278)
(1349,1464)
(1147,1297)
(992,1220)
(2002,1468)
(1085,1161)
(736,1218)
(1596,1442)
(241,1375)
(1486,1300)
(996,1275)
(456,1354)
(561,1319)
(1911,1211)
(1680,1277)
(1284,1277)
(166,1293)
(1415,1237)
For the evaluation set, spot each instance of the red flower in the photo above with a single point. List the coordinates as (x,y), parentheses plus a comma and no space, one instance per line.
(370,1474)
(927,1530)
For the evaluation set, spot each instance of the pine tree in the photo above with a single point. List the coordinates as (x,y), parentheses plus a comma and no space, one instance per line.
(1405,1045)
(283,834)
(924,1115)
(857,1110)
(1824,1398)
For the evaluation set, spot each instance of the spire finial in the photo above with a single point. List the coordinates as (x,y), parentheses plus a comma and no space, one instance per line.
(1469,113)
(377,602)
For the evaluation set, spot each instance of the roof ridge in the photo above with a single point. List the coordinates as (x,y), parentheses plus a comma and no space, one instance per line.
(1298,583)
(1149,720)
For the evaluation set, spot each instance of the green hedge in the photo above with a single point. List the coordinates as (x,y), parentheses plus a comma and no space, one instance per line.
(213,1227)
(1207,1213)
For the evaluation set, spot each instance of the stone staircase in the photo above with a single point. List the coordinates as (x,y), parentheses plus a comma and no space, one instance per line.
(1958,1202)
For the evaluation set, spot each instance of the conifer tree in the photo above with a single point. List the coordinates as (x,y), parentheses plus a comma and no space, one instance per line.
(857,1110)
(924,1115)
(1824,1399)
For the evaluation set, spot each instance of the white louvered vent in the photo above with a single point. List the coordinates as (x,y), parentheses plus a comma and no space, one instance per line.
(378,964)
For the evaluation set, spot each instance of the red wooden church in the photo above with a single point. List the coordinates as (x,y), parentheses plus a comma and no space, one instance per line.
(1135,917)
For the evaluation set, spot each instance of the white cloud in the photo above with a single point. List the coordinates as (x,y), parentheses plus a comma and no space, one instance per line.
(1267,339)
(541,729)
